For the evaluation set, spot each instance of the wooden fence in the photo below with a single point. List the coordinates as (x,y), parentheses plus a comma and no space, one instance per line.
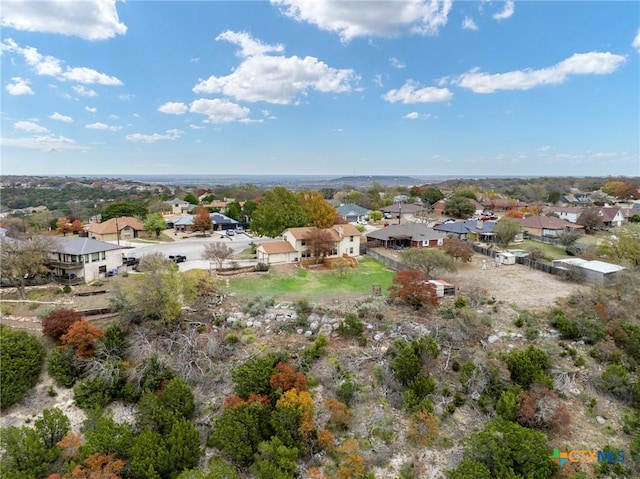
(391,263)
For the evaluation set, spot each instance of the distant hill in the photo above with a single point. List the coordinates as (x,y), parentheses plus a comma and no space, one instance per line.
(383,180)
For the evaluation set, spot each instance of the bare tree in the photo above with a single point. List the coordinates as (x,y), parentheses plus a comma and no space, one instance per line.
(25,258)
(320,243)
(217,252)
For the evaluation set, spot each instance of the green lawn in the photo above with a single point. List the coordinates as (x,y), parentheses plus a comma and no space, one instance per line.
(314,285)
(550,251)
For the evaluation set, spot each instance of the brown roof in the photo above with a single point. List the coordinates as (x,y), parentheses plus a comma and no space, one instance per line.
(277,247)
(305,232)
(547,222)
(402,208)
(109,226)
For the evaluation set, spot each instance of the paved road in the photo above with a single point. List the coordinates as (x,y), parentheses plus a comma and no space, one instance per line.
(193,248)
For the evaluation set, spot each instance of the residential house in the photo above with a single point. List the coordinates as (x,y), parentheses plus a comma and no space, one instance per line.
(439,206)
(567,213)
(346,240)
(178,207)
(78,260)
(123,228)
(576,199)
(502,204)
(612,217)
(403,213)
(483,230)
(276,252)
(219,222)
(352,213)
(547,226)
(412,235)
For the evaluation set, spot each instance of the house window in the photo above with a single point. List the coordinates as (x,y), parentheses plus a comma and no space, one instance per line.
(351,239)
(303,242)
(102,269)
(306,254)
(334,252)
(86,258)
(350,250)
(95,257)
(104,255)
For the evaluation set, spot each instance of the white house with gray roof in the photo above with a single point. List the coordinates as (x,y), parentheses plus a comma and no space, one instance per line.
(83,260)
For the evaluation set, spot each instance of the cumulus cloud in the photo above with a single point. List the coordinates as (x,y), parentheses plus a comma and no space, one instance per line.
(395,63)
(19,86)
(91,109)
(469,24)
(89,19)
(506,12)
(63,118)
(636,41)
(414,115)
(173,108)
(102,126)
(385,19)
(282,78)
(411,93)
(29,126)
(44,143)
(220,110)
(592,63)
(48,65)
(169,135)
(80,90)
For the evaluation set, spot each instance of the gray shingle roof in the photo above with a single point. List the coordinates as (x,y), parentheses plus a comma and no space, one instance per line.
(83,246)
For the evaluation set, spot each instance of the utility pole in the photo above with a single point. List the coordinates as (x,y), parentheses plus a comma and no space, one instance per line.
(117,232)
(399,213)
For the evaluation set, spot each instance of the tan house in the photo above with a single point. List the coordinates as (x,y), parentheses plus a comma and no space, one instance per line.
(547,226)
(124,228)
(276,252)
(346,240)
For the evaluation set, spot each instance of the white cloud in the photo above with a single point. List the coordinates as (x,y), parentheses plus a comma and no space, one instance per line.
(410,93)
(414,115)
(377,80)
(353,19)
(469,24)
(506,12)
(91,109)
(281,78)
(636,41)
(92,20)
(268,115)
(125,96)
(220,110)
(63,118)
(50,66)
(194,60)
(173,108)
(395,63)
(29,126)
(20,86)
(169,135)
(248,45)
(44,143)
(80,90)
(592,63)
(112,117)
(88,75)
(196,127)
(102,126)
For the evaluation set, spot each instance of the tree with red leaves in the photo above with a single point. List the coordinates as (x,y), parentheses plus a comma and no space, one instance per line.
(58,322)
(413,288)
(286,378)
(82,336)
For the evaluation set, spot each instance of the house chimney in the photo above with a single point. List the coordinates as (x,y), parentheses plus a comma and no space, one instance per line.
(341,231)
(479,224)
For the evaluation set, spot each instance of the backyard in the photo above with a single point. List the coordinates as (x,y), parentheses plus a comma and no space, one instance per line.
(314,285)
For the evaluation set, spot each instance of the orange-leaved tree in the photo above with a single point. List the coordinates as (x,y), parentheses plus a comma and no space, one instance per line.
(58,322)
(412,287)
(82,336)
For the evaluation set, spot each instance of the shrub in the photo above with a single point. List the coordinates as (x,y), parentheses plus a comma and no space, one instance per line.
(52,426)
(254,376)
(311,354)
(351,327)
(542,408)
(64,366)
(508,404)
(347,391)
(93,394)
(262,267)
(528,365)
(24,454)
(285,378)
(82,336)
(21,358)
(423,428)
(57,322)
(615,380)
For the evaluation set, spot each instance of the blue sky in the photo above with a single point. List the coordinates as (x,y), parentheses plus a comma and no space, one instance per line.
(416,87)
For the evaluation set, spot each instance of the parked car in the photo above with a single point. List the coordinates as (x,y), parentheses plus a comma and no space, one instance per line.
(388,216)
(448,220)
(230,232)
(130,261)
(363,222)
(178,258)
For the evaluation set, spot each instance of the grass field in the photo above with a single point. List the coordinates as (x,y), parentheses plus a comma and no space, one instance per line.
(314,285)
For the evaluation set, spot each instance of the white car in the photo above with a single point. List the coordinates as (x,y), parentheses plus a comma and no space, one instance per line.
(363,222)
